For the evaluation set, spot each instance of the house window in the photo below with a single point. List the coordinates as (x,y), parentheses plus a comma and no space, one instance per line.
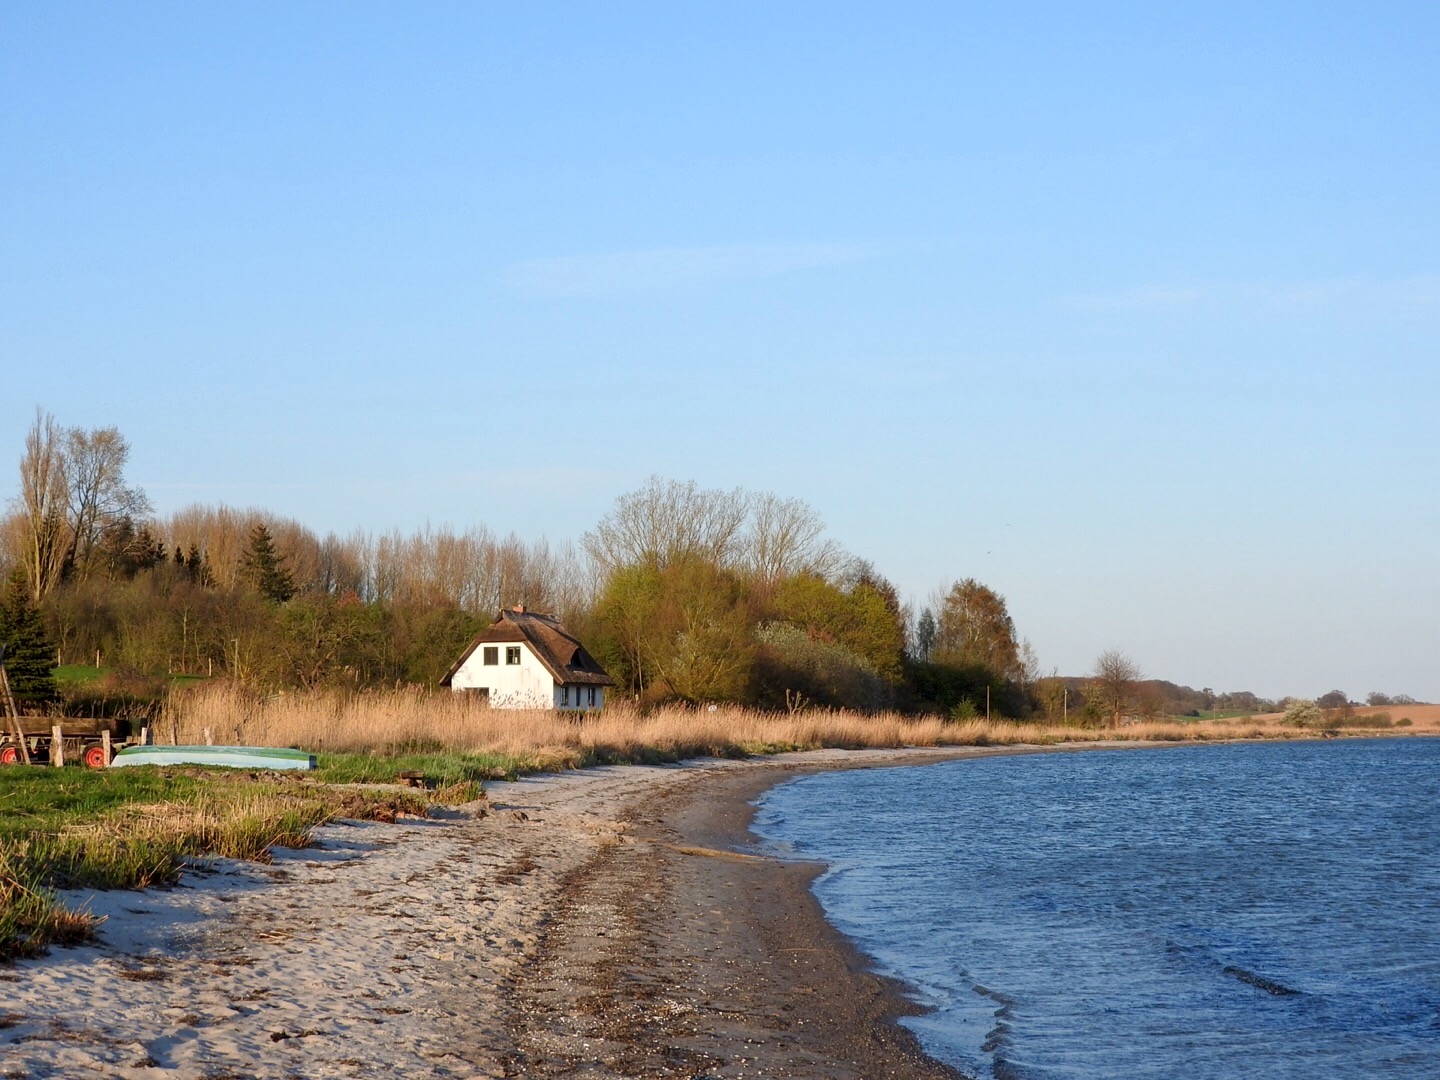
(565,695)
(512,654)
(492,654)
(592,697)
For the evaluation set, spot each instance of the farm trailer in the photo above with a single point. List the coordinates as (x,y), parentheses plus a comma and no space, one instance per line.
(52,745)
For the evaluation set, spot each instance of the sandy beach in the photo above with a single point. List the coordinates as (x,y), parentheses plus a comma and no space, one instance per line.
(613,922)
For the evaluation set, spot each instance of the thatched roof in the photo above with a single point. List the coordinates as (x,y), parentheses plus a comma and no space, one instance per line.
(563,656)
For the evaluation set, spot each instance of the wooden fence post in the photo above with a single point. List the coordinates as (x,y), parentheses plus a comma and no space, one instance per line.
(57,746)
(105,742)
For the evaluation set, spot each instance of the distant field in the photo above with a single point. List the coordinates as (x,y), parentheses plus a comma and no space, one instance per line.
(1422,715)
(80,674)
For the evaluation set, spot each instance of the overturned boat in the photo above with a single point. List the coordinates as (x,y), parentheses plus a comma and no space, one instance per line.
(233,757)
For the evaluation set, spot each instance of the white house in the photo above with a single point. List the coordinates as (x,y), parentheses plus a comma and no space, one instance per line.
(525,660)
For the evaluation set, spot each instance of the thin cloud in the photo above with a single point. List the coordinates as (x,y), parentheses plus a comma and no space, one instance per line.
(1413,294)
(634,273)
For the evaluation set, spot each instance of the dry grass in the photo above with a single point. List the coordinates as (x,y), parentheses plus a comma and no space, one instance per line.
(386,722)
(140,844)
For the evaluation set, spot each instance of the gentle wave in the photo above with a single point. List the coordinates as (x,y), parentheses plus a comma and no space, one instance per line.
(1214,911)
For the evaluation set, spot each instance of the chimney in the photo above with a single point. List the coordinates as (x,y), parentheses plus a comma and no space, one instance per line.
(519,609)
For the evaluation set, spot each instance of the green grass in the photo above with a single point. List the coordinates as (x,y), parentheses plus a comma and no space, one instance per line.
(79,675)
(133,828)
(441,767)
(39,799)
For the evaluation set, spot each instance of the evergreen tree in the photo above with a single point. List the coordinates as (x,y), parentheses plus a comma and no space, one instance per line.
(29,652)
(926,632)
(197,566)
(263,566)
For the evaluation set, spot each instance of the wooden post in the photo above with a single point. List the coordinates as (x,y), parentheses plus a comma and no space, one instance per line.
(145,735)
(57,746)
(9,704)
(109,750)
(208,740)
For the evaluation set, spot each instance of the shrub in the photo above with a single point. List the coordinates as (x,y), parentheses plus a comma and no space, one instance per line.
(1304,714)
(964,710)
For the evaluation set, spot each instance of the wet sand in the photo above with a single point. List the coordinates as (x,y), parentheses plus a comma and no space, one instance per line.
(678,954)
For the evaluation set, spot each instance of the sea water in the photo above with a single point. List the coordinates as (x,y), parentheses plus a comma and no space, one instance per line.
(1260,910)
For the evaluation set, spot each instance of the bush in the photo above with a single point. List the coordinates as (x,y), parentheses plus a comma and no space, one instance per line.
(825,673)
(964,710)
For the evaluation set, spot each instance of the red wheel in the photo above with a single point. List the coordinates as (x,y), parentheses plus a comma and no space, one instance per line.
(94,757)
(9,755)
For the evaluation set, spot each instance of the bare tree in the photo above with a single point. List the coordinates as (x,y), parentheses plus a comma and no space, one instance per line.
(576,584)
(44,500)
(1114,682)
(786,537)
(97,495)
(667,521)
(1027,672)
(341,569)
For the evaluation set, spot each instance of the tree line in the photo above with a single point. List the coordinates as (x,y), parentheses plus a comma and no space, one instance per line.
(683,593)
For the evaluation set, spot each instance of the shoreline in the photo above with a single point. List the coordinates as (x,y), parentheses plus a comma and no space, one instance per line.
(697,957)
(608,922)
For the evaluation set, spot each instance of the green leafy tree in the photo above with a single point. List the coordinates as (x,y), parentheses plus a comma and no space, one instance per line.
(974,628)
(29,652)
(624,625)
(944,687)
(702,650)
(681,631)
(264,567)
(860,620)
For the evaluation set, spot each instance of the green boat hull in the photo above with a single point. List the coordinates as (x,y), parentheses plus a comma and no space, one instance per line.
(233,757)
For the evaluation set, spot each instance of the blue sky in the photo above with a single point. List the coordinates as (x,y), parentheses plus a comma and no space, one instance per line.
(1131,313)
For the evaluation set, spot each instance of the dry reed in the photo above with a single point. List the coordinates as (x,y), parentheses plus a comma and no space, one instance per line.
(408,719)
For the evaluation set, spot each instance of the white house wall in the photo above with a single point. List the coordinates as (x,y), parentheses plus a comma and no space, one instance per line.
(579,694)
(526,685)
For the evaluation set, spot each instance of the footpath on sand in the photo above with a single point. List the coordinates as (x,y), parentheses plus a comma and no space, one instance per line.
(603,923)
